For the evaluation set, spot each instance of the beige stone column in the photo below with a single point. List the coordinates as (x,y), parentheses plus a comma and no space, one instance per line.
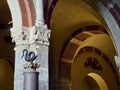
(41,39)
(35,39)
(21,42)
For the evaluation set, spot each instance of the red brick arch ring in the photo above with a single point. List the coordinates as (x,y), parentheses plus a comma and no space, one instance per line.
(109,10)
(72,49)
(22,12)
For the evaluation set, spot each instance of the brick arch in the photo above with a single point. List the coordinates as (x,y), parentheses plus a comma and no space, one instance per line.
(22,12)
(65,69)
(109,10)
(72,48)
(28,12)
(107,60)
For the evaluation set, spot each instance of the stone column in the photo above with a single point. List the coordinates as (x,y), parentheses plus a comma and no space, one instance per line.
(42,43)
(20,37)
(39,11)
(33,39)
(41,39)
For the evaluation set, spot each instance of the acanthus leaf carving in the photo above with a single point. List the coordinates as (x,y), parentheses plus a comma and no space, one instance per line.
(20,37)
(36,34)
(42,34)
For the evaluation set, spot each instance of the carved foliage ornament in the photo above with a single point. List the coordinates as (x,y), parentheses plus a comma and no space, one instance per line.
(20,37)
(40,34)
(37,34)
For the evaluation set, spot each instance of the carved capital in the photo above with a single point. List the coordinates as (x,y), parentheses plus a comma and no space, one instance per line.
(20,37)
(42,34)
(33,35)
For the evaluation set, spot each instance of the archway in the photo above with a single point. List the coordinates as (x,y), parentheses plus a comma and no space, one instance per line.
(94,82)
(77,30)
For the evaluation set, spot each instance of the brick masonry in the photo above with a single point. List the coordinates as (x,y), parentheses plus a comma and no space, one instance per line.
(65,68)
(72,48)
(28,12)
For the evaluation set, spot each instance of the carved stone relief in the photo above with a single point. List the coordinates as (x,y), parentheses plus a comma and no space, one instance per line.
(36,34)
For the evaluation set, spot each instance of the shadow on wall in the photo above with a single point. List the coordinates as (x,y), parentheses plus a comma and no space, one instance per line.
(6,75)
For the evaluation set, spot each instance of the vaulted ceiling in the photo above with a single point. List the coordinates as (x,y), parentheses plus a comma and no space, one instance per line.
(76,16)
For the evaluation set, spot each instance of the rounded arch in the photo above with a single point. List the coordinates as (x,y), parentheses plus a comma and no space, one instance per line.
(109,10)
(76,43)
(92,60)
(81,43)
(23,19)
(65,24)
(15,9)
(100,81)
(23,13)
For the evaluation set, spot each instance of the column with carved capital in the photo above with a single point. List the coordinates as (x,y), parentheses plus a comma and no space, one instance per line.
(42,43)
(32,39)
(20,37)
(41,39)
